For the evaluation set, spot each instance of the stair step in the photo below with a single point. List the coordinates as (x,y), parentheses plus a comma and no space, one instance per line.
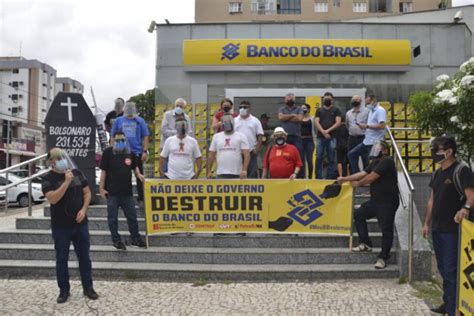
(193,272)
(100,223)
(199,255)
(102,237)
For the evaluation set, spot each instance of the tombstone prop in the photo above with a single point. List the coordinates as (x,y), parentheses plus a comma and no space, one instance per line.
(71,126)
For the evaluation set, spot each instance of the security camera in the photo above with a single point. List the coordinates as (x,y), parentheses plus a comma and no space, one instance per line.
(458,16)
(152,26)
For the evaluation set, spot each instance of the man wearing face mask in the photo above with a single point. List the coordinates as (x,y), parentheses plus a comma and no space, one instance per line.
(112,115)
(227,107)
(116,167)
(228,147)
(326,120)
(381,175)
(183,155)
(251,127)
(374,131)
(136,131)
(290,115)
(451,200)
(358,114)
(282,160)
(67,190)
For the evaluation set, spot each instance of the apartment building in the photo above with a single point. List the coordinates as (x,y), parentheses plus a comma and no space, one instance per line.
(66,84)
(227,11)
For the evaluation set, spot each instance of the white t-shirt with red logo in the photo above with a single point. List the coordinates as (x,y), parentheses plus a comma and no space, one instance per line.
(229,152)
(181,154)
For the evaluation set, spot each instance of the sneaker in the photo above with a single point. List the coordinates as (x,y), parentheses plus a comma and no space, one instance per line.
(139,243)
(380,264)
(119,245)
(362,248)
(62,298)
(441,309)
(91,294)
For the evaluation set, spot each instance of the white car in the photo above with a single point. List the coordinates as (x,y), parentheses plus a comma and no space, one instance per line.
(19,194)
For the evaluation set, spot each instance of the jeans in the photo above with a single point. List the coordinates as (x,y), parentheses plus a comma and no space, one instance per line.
(128,206)
(139,182)
(327,146)
(296,141)
(79,235)
(360,150)
(385,214)
(252,169)
(445,246)
(308,151)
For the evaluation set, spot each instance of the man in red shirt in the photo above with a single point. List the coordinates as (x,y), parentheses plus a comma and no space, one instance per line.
(282,160)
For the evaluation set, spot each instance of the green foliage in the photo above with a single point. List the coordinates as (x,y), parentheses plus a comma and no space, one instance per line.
(448,108)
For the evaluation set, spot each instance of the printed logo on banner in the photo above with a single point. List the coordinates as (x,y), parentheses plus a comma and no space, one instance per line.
(230,51)
(469,270)
(305,207)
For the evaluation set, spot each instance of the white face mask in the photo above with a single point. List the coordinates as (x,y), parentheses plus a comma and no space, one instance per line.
(243,112)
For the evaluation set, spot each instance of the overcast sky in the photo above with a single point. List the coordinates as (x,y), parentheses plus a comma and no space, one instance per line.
(103,44)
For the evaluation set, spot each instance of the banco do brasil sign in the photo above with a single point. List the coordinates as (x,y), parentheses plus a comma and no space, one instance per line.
(296,52)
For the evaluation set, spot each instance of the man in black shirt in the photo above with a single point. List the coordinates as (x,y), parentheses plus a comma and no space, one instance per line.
(326,120)
(451,200)
(381,175)
(112,115)
(67,190)
(116,186)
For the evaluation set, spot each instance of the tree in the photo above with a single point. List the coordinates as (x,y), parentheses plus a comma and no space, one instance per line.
(146,107)
(448,108)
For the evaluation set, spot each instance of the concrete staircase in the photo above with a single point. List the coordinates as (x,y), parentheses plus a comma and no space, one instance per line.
(28,251)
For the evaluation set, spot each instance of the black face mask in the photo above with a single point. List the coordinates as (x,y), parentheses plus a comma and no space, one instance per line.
(280,141)
(290,103)
(437,158)
(226,109)
(355,103)
(327,102)
(305,111)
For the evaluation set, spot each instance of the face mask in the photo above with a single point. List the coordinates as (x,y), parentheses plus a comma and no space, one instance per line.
(280,141)
(355,103)
(305,111)
(327,102)
(226,109)
(228,126)
(371,107)
(243,112)
(61,165)
(437,158)
(290,103)
(178,111)
(119,146)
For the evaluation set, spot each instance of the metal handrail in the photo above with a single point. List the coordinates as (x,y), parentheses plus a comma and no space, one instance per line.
(398,157)
(36,175)
(24,163)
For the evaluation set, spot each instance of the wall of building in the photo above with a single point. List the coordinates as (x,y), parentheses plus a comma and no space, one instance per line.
(214,11)
(443,48)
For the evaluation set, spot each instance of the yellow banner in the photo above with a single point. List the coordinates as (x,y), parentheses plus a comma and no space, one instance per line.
(296,52)
(229,206)
(466,269)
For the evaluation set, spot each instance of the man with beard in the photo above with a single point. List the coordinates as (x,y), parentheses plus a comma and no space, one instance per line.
(381,175)
(228,147)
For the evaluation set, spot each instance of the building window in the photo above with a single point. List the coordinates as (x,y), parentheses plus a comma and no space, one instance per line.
(15,71)
(406,7)
(262,7)
(289,6)
(336,3)
(235,7)
(321,6)
(14,97)
(380,6)
(359,7)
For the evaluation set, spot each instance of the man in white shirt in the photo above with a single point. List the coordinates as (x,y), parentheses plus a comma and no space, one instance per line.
(182,152)
(229,146)
(374,131)
(251,127)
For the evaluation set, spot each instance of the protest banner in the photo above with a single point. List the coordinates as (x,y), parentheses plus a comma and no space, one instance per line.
(466,269)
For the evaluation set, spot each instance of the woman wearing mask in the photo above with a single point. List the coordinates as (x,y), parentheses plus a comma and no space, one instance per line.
(308,139)
(227,106)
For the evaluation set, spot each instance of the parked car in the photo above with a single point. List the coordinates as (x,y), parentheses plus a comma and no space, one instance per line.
(19,194)
(3,199)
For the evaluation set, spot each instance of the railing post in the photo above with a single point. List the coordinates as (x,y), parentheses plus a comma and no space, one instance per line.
(30,196)
(410,236)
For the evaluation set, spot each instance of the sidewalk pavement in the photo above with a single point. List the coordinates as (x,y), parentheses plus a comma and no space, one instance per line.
(364,297)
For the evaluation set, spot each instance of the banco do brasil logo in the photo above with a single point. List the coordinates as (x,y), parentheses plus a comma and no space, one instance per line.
(305,207)
(230,51)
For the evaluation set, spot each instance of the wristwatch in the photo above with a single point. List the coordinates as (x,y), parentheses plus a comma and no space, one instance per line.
(467,207)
